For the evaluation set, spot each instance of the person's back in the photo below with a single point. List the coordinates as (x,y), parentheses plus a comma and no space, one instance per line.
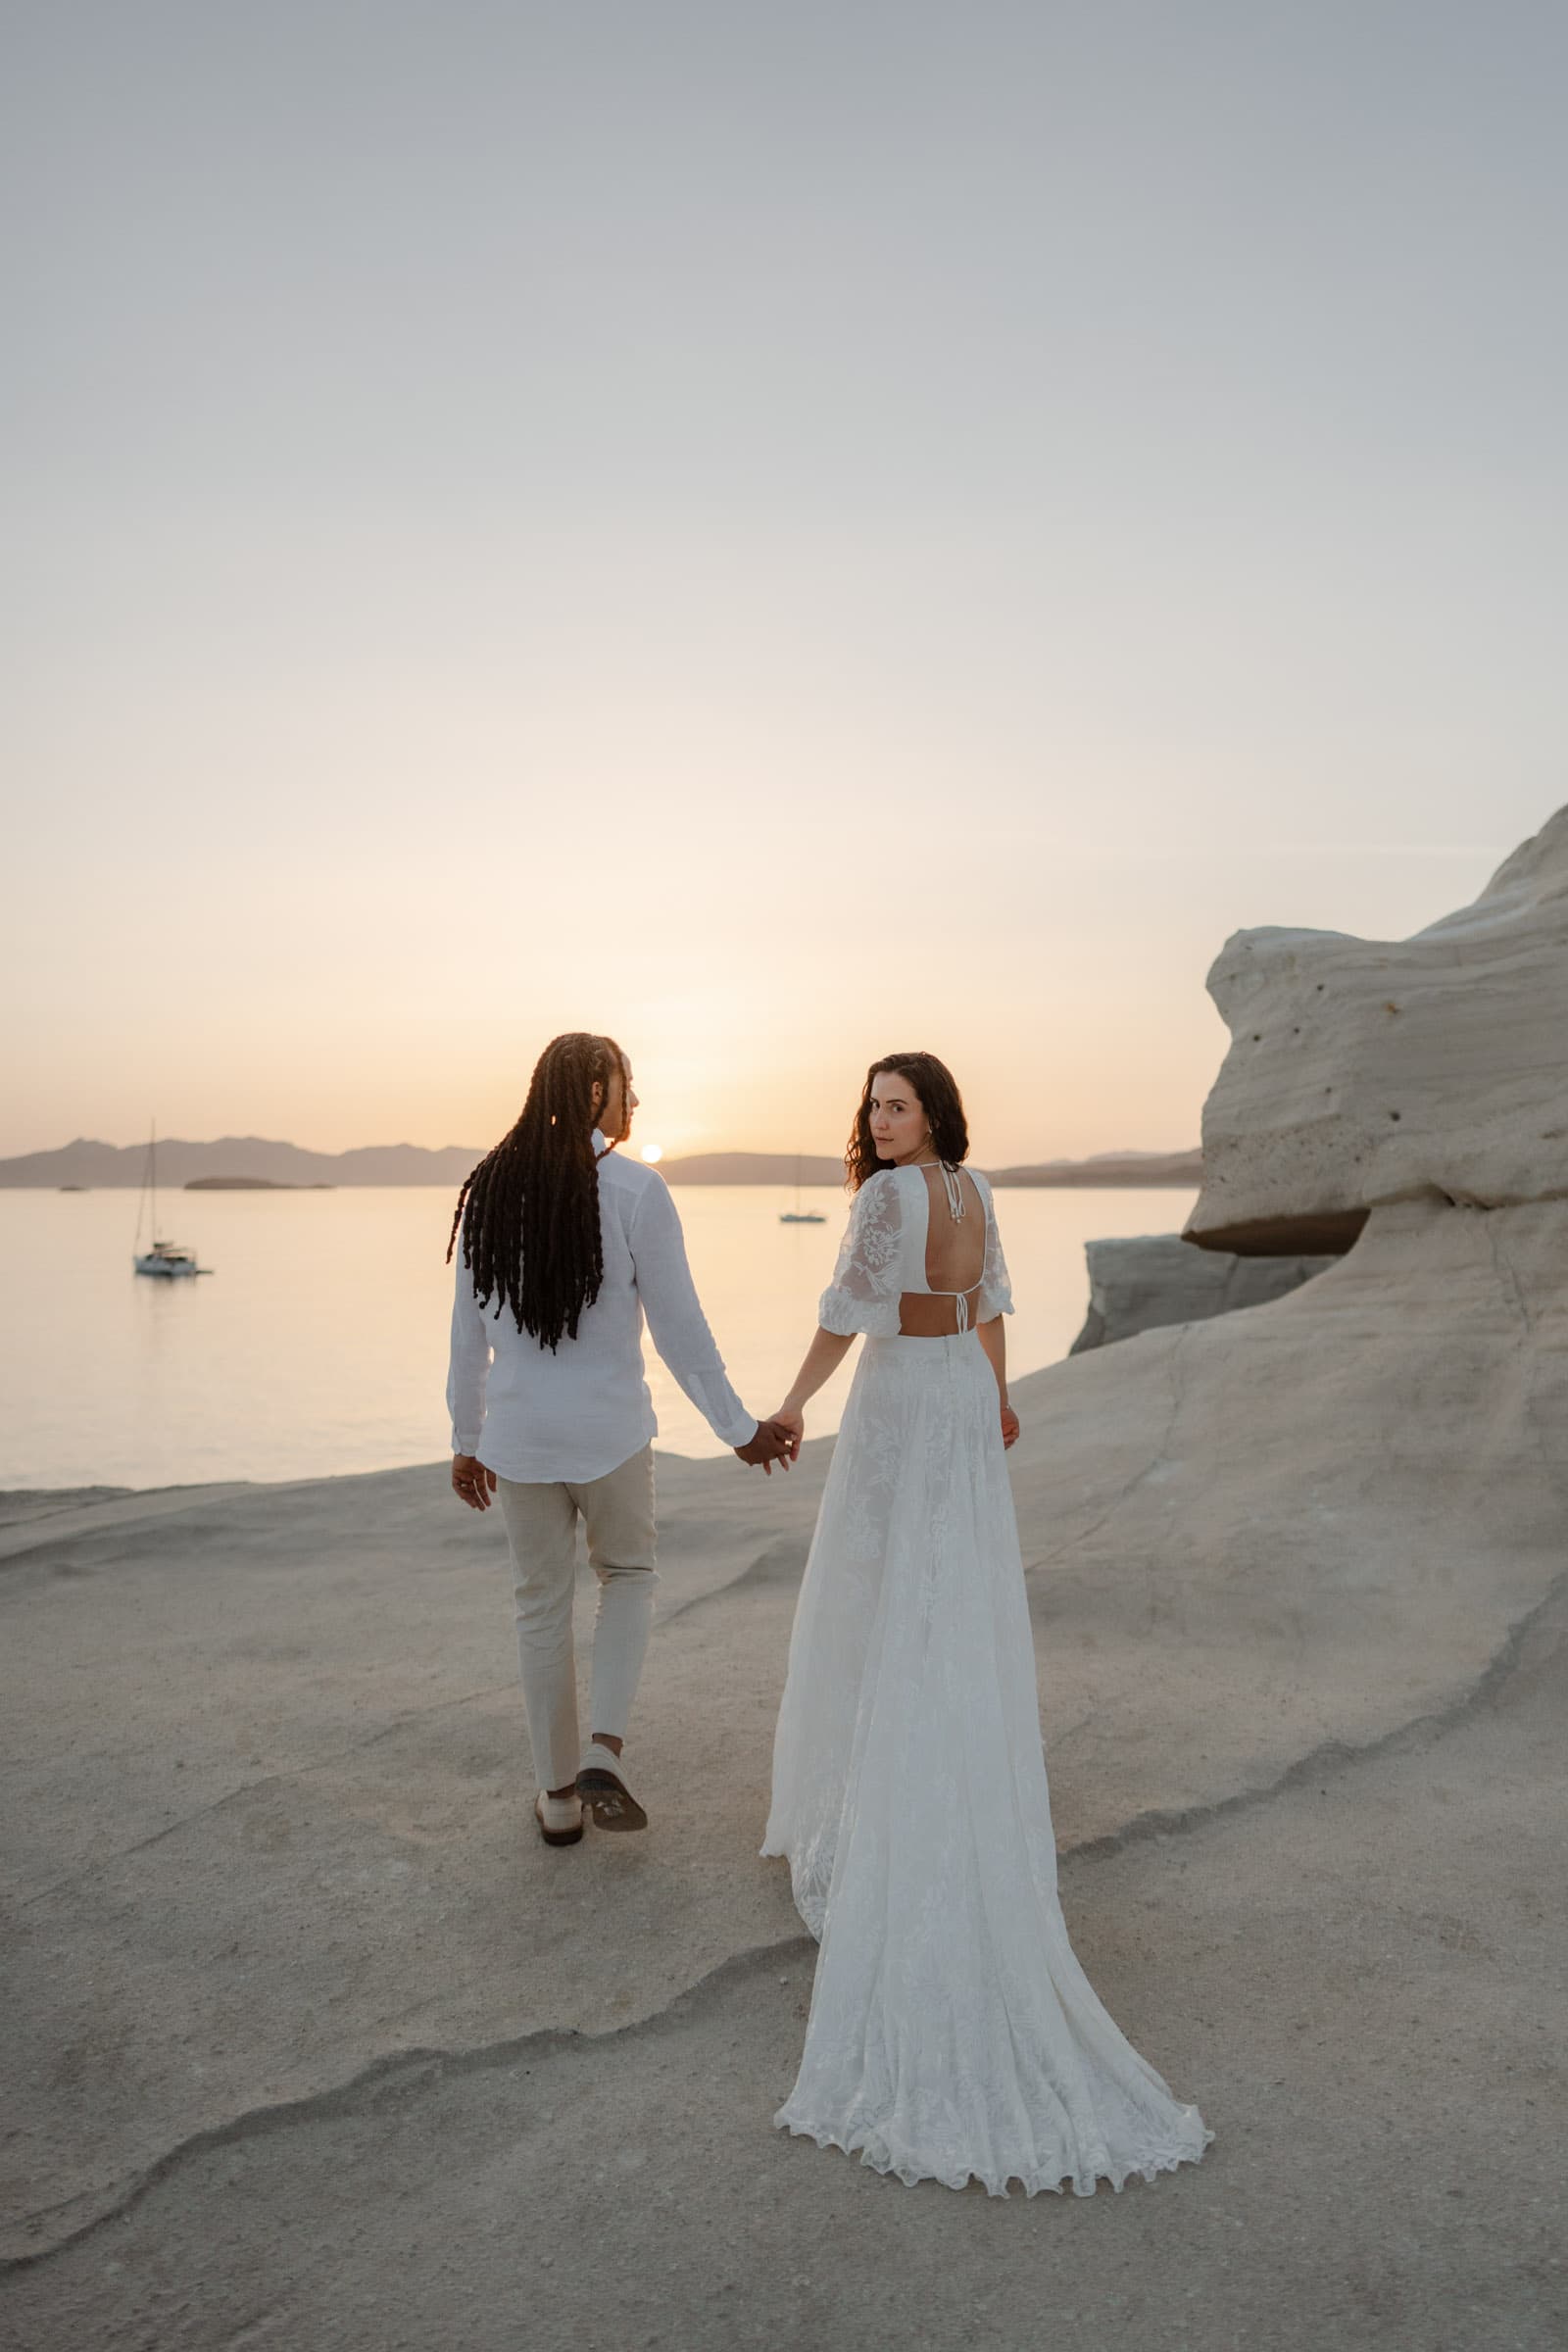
(562,1250)
(571,1412)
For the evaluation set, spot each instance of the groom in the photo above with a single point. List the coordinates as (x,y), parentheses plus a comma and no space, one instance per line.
(566,1248)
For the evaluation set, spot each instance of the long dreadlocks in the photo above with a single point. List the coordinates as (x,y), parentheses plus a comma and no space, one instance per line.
(529,1212)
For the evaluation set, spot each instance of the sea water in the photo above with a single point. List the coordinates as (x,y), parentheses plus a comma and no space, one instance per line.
(318,1343)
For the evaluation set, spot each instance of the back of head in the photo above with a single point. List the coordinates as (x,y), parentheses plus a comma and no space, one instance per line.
(529,1212)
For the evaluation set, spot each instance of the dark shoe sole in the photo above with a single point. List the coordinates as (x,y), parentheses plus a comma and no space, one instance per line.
(558,1836)
(609,1802)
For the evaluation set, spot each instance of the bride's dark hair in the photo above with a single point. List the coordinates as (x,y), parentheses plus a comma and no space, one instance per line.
(937,1090)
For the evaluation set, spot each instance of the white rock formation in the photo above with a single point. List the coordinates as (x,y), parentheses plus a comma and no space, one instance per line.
(1373,1466)
(1342,1504)
(1142,1282)
(1365,1072)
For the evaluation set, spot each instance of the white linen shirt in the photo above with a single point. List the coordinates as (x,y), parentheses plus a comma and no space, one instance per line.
(581,1411)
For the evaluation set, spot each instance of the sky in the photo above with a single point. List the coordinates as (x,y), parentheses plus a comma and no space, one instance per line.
(785,533)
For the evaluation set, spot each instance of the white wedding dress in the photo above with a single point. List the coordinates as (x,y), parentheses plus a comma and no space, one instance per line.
(952,2033)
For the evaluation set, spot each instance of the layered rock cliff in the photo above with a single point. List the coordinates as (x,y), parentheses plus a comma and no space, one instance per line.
(1363,1072)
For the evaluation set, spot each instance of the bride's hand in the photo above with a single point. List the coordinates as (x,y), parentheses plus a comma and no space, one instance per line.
(1010,1427)
(791,1417)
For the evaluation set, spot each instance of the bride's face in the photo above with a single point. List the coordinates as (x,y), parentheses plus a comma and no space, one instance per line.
(898,1120)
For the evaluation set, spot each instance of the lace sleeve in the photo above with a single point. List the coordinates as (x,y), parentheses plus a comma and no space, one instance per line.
(864,1295)
(996,1291)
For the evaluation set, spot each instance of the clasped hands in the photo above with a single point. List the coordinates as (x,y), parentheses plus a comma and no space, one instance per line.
(777,1440)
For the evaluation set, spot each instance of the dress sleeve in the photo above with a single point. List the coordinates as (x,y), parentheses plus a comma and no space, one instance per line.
(996,1290)
(864,1295)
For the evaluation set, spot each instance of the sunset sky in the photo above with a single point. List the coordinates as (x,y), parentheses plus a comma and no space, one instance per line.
(783,531)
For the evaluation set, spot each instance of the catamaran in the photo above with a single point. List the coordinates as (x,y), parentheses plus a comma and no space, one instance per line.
(799,1215)
(168,1259)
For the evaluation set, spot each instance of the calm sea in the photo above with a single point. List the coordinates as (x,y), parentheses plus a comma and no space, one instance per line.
(318,1343)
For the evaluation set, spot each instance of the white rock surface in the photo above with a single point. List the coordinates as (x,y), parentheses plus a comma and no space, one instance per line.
(1142,1282)
(1365,1071)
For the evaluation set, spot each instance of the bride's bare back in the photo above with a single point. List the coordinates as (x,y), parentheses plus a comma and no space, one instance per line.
(954,1257)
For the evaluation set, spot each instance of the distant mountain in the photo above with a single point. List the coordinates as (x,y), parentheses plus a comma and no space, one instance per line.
(254,1161)
(1112,1169)
(251,1157)
(751,1167)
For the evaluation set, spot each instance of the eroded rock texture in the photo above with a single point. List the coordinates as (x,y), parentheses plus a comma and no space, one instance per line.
(1142,1282)
(1367,1071)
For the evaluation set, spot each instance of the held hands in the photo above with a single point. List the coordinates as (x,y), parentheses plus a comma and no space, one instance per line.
(471,1482)
(776,1440)
(791,1418)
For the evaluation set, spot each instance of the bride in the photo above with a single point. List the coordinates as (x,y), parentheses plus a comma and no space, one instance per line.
(952,2033)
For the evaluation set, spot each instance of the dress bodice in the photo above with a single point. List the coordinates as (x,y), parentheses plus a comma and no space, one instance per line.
(884,1251)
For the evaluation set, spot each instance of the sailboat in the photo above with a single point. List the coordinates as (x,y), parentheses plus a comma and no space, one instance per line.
(799,1215)
(168,1259)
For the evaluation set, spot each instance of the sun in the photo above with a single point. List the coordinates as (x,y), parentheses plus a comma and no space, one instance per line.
(653,1152)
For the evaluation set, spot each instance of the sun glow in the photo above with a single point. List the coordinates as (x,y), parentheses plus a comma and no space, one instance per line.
(653,1152)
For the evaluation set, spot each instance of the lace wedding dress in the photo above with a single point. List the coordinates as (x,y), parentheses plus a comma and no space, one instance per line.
(952,2033)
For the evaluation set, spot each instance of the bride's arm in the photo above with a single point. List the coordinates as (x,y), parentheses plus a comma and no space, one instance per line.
(993,1338)
(821,1360)
(862,1295)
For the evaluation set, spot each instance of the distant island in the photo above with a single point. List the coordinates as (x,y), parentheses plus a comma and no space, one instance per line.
(1113,1168)
(251,1183)
(1118,1169)
(255,1159)
(752,1167)
(255,1163)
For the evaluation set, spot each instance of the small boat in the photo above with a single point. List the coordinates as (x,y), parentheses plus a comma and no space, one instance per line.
(168,1261)
(799,1215)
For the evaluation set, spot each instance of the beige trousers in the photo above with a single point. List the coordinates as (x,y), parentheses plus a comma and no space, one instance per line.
(541,1520)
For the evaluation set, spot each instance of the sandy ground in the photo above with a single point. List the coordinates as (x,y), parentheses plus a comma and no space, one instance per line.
(308,2042)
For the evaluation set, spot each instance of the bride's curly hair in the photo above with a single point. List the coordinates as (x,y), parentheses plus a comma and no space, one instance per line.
(935,1089)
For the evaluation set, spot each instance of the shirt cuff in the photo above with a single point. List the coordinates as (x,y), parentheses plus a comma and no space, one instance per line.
(721,1408)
